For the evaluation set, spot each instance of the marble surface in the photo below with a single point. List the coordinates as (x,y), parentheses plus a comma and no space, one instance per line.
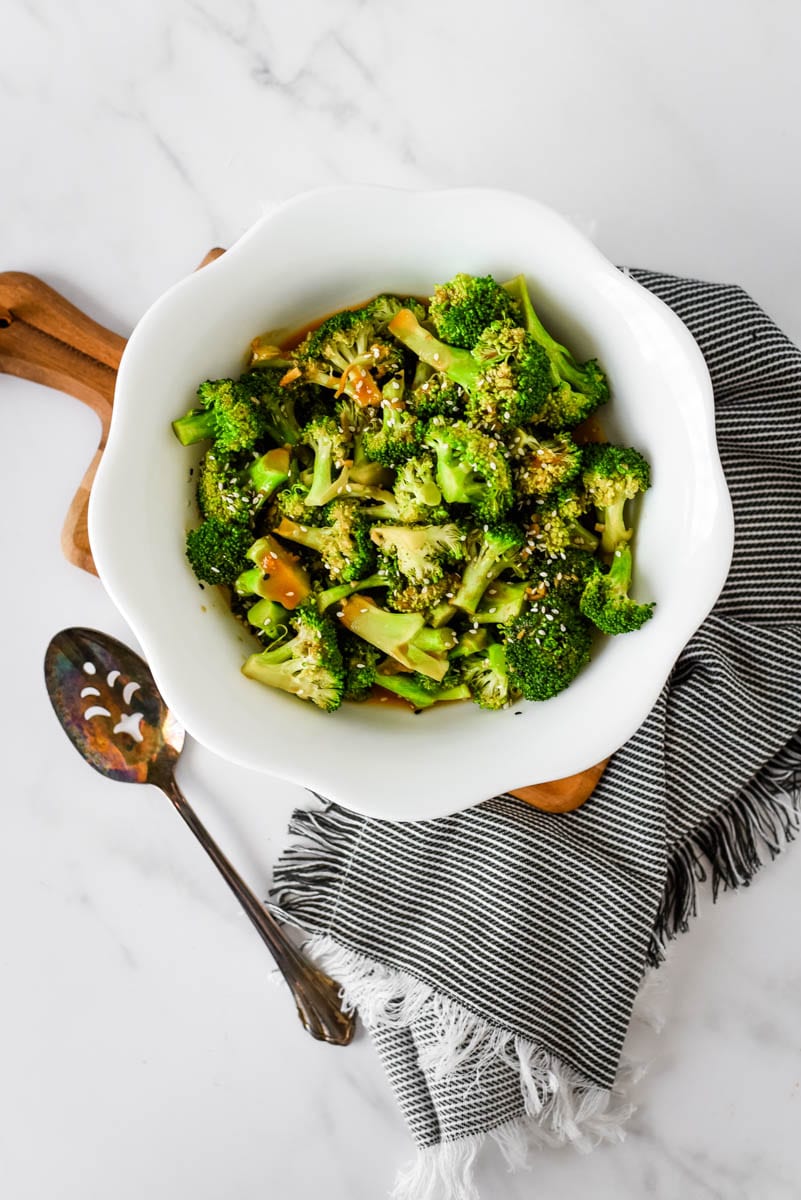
(144,1049)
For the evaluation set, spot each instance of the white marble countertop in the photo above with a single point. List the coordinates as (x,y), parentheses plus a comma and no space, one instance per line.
(144,1050)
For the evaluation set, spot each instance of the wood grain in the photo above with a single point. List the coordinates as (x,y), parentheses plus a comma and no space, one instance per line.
(45,338)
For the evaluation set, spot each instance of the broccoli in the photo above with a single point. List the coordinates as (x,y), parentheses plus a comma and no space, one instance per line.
(233,494)
(442,612)
(412,689)
(546,647)
(577,390)
(354,343)
(436,641)
(565,574)
(487,676)
(291,503)
(340,591)
(506,375)
(416,495)
(435,395)
(309,665)
(489,552)
(396,439)
(472,468)
(421,552)
(343,542)
(612,475)
(269,618)
(462,308)
(283,579)
(277,403)
(325,438)
(356,420)
(555,524)
(469,643)
(220,493)
(217,550)
(393,633)
(502,602)
(403,596)
(228,414)
(542,465)
(606,602)
(360,661)
(357,337)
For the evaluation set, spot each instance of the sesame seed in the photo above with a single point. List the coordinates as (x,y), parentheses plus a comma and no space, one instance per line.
(290,593)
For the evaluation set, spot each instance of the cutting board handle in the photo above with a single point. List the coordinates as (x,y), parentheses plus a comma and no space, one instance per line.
(48,340)
(45,338)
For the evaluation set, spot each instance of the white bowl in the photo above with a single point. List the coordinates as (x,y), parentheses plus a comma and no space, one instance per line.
(322,251)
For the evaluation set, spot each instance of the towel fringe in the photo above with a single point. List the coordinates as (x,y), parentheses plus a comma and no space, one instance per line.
(732,845)
(562,1107)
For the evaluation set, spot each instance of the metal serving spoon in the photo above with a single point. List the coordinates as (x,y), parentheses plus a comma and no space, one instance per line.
(112,712)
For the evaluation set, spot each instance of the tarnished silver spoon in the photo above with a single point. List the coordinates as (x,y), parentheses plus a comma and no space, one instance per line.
(113,713)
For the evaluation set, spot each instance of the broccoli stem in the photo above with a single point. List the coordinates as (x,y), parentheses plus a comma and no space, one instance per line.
(341,591)
(269,617)
(614,532)
(619,576)
(458,365)
(321,476)
(441,614)
(563,364)
(407,688)
(269,472)
(194,427)
(435,641)
(394,633)
(478,575)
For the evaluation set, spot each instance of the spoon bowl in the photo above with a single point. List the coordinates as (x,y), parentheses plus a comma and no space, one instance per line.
(113,713)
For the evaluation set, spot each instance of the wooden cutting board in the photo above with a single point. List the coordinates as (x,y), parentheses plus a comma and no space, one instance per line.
(48,340)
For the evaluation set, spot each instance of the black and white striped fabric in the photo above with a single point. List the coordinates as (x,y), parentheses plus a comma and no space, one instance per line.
(495,955)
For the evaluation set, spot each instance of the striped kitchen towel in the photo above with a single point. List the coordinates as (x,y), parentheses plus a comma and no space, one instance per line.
(495,955)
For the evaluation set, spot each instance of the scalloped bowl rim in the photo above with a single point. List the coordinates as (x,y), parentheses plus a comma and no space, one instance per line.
(322,250)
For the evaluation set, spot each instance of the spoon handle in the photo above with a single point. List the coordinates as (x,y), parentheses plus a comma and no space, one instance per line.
(316,995)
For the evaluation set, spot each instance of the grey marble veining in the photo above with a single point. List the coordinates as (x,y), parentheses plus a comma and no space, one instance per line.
(146,1046)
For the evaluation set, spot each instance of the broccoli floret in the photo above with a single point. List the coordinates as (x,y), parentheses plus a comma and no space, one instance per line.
(343,542)
(565,574)
(220,493)
(277,402)
(462,308)
(605,600)
(393,633)
(435,395)
(487,676)
(506,374)
(472,468)
(361,662)
(228,414)
(217,550)
(577,389)
(422,552)
(283,578)
(612,475)
(555,524)
(396,439)
(416,495)
(490,551)
(324,436)
(418,597)
(354,346)
(309,665)
(502,602)
(542,464)
(358,337)
(356,420)
(230,493)
(546,648)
